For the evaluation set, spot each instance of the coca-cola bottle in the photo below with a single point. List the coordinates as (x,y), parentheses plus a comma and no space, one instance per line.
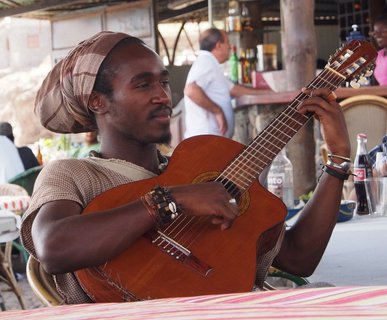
(362,171)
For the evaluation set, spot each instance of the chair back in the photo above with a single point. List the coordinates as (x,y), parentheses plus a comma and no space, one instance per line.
(42,284)
(365,114)
(26,179)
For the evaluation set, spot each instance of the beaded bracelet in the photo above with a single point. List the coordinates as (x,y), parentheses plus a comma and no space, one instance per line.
(161,206)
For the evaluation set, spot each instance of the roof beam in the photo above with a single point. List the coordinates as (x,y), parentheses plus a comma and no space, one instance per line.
(42,5)
(169,14)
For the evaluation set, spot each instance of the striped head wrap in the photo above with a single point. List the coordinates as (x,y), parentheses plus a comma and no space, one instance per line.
(62,100)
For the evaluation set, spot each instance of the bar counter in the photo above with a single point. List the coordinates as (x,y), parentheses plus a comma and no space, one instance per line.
(276,98)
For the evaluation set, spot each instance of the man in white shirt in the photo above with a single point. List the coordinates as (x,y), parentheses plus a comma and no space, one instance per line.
(10,162)
(208,92)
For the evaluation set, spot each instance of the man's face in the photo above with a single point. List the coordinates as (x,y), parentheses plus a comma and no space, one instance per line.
(140,106)
(225,47)
(380,34)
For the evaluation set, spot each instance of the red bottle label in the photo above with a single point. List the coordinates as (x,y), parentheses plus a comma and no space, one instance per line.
(360,174)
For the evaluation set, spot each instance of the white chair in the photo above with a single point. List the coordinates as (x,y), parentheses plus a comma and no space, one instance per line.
(6,269)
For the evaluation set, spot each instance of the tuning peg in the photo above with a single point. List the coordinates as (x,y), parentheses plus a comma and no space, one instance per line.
(354,84)
(368,73)
(362,80)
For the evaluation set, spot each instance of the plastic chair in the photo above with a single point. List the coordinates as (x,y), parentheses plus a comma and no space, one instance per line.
(27,178)
(7,275)
(10,189)
(42,284)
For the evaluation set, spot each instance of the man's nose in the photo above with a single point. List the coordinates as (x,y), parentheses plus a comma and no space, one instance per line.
(163,95)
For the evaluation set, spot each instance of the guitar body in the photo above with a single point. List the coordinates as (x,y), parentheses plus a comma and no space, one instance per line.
(217,262)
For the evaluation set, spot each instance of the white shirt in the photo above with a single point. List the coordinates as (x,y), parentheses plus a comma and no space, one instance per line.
(10,162)
(207,73)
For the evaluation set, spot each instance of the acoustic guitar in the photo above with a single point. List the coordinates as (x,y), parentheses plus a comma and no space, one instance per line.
(191,256)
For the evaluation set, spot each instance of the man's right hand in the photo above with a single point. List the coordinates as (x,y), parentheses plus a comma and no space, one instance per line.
(206,199)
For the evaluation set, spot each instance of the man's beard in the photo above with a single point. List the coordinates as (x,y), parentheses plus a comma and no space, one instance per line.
(165,139)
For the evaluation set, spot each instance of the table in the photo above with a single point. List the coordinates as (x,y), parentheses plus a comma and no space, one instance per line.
(356,253)
(17,204)
(317,303)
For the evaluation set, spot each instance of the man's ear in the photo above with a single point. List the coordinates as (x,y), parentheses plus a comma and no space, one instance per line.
(96,102)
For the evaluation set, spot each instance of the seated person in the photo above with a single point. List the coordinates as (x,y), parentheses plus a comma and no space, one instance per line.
(10,162)
(26,155)
(120,87)
(90,143)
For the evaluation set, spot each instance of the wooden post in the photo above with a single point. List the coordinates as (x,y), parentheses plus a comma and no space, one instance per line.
(299,58)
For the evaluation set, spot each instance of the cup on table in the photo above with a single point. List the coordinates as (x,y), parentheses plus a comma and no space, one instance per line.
(376,189)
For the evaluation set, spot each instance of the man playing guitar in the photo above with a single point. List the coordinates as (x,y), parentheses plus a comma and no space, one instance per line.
(116,84)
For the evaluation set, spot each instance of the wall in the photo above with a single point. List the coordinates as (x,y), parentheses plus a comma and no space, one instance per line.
(135,18)
(327,37)
(30,47)
(24,43)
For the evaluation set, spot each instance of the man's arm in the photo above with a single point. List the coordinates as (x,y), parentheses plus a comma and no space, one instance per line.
(197,95)
(305,243)
(66,240)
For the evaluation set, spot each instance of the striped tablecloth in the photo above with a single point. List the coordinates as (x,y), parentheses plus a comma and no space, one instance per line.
(316,303)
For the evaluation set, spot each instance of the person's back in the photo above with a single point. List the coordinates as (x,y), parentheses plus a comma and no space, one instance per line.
(25,153)
(10,162)
(206,73)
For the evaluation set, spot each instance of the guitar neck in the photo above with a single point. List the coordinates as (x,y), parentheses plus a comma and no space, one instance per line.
(266,146)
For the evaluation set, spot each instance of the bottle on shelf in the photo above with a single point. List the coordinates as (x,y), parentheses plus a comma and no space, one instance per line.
(39,156)
(362,171)
(233,65)
(280,179)
(244,70)
(241,65)
(233,20)
(253,60)
(246,18)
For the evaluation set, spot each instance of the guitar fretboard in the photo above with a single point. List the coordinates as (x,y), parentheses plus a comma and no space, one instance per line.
(266,146)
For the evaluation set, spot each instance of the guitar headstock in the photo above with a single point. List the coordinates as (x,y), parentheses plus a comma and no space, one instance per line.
(354,61)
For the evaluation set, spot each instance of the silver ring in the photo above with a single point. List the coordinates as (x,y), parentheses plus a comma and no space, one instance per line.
(233,201)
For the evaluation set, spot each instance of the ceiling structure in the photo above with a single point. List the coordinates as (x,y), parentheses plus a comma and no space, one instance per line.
(168,10)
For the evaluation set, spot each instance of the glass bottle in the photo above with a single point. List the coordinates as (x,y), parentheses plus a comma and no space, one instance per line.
(246,18)
(39,156)
(233,65)
(233,21)
(280,179)
(362,171)
(243,68)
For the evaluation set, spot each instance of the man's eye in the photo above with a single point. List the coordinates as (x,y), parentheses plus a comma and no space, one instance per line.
(142,85)
(165,82)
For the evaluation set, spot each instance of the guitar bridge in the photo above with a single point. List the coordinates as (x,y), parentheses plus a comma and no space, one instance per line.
(178,252)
